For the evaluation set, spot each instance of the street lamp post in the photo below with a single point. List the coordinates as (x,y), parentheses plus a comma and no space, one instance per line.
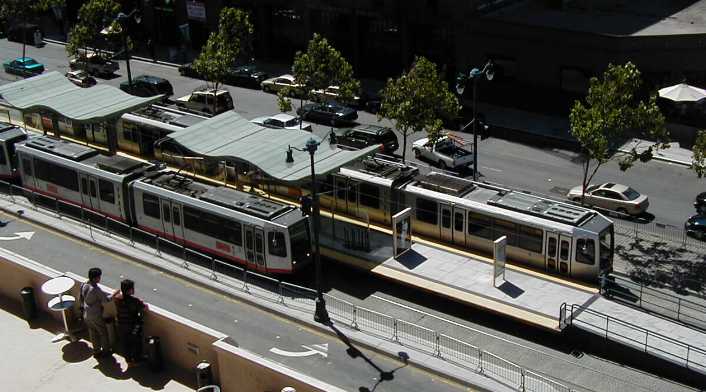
(489,71)
(123,20)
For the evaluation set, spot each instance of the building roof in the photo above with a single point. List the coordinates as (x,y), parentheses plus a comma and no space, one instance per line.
(229,135)
(52,91)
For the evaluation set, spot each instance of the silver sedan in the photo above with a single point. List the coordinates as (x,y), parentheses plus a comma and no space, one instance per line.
(282,121)
(612,196)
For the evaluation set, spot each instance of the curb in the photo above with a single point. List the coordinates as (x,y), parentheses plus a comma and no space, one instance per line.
(137,58)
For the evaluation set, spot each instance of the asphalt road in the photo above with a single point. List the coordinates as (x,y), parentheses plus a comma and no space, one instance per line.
(671,188)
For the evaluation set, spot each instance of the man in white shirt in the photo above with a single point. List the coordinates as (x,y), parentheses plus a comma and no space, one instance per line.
(92,300)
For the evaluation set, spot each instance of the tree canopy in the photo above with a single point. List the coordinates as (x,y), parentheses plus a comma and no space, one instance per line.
(93,17)
(225,46)
(417,101)
(613,110)
(698,164)
(322,66)
(22,10)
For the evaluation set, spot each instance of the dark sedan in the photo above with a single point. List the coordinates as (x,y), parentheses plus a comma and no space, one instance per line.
(696,226)
(246,76)
(328,113)
(189,71)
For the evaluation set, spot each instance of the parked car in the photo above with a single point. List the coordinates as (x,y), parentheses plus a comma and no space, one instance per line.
(282,121)
(274,85)
(94,64)
(700,203)
(148,86)
(23,66)
(447,152)
(329,113)
(363,136)
(332,93)
(612,196)
(189,71)
(28,33)
(202,101)
(81,78)
(696,226)
(246,76)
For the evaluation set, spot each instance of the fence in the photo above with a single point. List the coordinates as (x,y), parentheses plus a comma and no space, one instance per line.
(360,318)
(656,301)
(658,231)
(632,335)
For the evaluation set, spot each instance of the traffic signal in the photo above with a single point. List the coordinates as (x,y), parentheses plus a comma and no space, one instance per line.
(306,205)
(461,80)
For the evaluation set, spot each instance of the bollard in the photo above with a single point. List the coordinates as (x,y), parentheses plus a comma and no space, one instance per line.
(154,354)
(204,376)
(29,307)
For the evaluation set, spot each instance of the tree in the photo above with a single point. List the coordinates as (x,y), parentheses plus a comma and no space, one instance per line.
(225,46)
(417,101)
(22,10)
(698,164)
(613,108)
(322,66)
(93,16)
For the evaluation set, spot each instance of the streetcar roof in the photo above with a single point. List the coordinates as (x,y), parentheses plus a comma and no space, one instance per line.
(9,131)
(379,171)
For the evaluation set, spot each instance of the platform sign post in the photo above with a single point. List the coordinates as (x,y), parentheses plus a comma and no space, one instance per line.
(402,232)
(499,257)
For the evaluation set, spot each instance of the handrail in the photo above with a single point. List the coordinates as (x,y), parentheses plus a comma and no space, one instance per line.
(575,309)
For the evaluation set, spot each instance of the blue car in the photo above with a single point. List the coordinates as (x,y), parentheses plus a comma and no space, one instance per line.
(23,66)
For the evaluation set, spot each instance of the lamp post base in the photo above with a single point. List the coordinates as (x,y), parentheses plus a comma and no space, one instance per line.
(321,315)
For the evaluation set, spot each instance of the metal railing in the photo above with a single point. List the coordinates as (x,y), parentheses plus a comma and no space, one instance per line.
(660,231)
(368,321)
(632,335)
(653,300)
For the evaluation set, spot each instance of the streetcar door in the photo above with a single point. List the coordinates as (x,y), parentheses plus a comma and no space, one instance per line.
(93,193)
(459,222)
(564,255)
(552,251)
(167,219)
(85,195)
(260,248)
(249,245)
(177,222)
(445,223)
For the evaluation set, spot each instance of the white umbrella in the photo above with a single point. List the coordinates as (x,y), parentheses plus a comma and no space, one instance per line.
(682,92)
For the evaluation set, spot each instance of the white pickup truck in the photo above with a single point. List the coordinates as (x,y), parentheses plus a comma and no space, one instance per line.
(446,153)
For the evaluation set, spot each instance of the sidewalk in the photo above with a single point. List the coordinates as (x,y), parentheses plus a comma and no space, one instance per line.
(673,154)
(39,365)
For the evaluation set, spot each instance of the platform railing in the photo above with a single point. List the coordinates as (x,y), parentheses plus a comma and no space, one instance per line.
(234,277)
(633,335)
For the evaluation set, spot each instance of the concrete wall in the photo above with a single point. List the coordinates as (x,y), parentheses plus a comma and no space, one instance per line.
(184,343)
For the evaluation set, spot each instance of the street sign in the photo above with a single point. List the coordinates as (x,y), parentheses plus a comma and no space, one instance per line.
(499,257)
(402,232)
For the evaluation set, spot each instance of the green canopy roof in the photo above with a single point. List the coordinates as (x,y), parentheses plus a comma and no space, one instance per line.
(229,135)
(52,91)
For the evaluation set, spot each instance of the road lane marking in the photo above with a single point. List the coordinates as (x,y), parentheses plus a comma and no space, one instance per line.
(19,235)
(492,169)
(315,349)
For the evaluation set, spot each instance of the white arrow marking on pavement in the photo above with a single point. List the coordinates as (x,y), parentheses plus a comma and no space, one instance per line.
(320,349)
(23,234)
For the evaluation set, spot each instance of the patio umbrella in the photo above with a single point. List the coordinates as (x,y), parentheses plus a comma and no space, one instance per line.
(682,92)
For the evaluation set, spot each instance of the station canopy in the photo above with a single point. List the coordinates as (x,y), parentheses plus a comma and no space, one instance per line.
(53,92)
(229,135)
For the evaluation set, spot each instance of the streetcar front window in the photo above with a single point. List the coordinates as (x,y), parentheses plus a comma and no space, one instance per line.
(606,248)
(300,243)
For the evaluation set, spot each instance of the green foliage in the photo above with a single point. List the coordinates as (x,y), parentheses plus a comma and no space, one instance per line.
(93,17)
(322,66)
(417,101)
(225,45)
(698,164)
(612,112)
(283,102)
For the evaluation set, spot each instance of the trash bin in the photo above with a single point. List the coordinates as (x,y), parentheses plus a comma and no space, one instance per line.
(29,307)
(204,376)
(154,354)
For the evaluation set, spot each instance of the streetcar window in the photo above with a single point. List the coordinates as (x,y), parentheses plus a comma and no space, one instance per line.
(84,185)
(175,216)
(276,245)
(564,250)
(479,225)
(606,247)
(27,166)
(352,192)
(94,193)
(212,225)
(150,204)
(3,160)
(165,212)
(552,247)
(586,251)
(107,191)
(458,221)
(427,211)
(300,242)
(530,238)
(505,228)
(445,218)
(55,174)
(369,195)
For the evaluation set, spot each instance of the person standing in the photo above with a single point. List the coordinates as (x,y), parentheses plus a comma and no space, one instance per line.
(91,302)
(131,312)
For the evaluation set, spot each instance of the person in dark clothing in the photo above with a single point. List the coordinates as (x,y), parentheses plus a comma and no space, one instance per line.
(130,313)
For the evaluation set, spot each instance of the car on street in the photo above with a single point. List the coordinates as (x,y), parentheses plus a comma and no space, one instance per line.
(94,64)
(189,71)
(365,135)
(203,101)
(333,93)
(700,203)
(23,66)
(695,226)
(282,82)
(282,121)
(246,76)
(329,113)
(612,196)
(446,152)
(81,78)
(148,86)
